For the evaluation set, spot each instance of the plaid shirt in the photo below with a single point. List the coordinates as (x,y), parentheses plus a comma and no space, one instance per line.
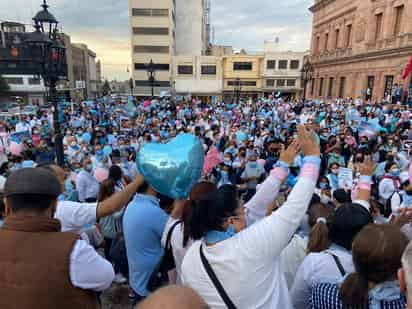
(326,296)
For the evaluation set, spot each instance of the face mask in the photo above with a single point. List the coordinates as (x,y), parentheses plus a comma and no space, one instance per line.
(395,172)
(89,167)
(252,164)
(335,171)
(73,144)
(323,185)
(100,153)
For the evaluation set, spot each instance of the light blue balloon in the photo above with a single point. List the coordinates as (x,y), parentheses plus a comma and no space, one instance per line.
(107,150)
(173,168)
(86,137)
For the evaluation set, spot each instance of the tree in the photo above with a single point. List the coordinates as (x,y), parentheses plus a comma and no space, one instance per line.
(3,85)
(106,87)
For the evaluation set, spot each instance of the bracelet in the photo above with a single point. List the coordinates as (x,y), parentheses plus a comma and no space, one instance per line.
(365,186)
(365,179)
(312,159)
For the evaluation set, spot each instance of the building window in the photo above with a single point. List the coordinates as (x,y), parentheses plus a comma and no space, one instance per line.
(379,18)
(348,35)
(271,64)
(150,12)
(157,83)
(321,87)
(242,83)
(330,89)
(342,87)
(337,32)
(280,83)
(326,42)
(370,86)
(398,19)
(34,81)
(242,66)
(151,49)
(270,83)
(157,66)
(283,64)
(294,64)
(14,80)
(388,84)
(150,31)
(208,70)
(317,45)
(291,82)
(185,69)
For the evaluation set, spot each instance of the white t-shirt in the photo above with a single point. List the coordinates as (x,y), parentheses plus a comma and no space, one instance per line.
(319,268)
(75,217)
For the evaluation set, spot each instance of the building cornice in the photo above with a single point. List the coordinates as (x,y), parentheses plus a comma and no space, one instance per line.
(394,52)
(320,4)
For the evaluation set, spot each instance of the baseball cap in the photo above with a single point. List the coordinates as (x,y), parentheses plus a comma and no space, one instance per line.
(36,181)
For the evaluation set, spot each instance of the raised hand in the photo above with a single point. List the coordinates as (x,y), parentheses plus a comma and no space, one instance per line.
(307,142)
(288,156)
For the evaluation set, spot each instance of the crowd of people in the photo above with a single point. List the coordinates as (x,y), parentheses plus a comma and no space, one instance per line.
(299,205)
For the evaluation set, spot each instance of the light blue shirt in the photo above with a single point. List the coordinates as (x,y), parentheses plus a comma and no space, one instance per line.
(143,225)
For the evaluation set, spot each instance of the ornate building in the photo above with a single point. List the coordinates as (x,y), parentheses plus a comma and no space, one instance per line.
(359,47)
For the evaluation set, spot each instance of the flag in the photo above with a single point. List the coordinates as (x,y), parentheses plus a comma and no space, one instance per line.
(408,70)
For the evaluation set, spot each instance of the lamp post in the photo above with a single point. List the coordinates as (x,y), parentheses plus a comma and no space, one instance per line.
(307,75)
(151,72)
(50,57)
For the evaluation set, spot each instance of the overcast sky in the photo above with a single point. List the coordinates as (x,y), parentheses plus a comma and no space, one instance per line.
(104,25)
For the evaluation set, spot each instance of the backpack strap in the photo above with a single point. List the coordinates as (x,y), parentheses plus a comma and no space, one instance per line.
(169,234)
(338,264)
(226,299)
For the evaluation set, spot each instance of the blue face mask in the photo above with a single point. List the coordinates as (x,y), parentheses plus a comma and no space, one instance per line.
(323,186)
(252,164)
(213,237)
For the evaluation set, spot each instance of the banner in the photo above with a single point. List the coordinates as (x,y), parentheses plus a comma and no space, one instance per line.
(20,137)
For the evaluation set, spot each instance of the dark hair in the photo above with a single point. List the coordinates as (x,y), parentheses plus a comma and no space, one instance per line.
(115,173)
(33,202)
(107,189)
(348,221)
(210,212)
(389,165)
(199,191)
(341,196)
(318,236)
(377,252)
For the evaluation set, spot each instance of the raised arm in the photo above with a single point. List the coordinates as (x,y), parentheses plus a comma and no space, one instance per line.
(271,235)
(256,208)
(117,201)
(365,181)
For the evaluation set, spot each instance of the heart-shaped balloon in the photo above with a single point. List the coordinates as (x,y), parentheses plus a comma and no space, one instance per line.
(173,168)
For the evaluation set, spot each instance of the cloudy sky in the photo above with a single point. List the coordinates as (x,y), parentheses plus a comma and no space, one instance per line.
(104,25)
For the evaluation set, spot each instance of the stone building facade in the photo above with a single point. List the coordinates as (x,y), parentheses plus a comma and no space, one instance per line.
(358,45)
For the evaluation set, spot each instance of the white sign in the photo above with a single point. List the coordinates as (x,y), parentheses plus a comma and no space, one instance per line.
(345,178)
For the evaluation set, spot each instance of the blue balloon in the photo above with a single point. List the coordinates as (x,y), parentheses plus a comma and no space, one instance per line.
(173,168)
(107,150)
(86,137)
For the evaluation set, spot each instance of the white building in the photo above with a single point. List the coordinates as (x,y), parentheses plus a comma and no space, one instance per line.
(192,27)
(199,76)
(161,29)
(29,88)
(282,71)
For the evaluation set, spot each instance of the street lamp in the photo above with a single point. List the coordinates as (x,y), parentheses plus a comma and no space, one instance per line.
(307,75)
(151,72)
(50,55)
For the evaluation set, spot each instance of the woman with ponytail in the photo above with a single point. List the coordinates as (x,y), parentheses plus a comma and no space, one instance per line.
(330,259)
(377,252)
(233,264)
